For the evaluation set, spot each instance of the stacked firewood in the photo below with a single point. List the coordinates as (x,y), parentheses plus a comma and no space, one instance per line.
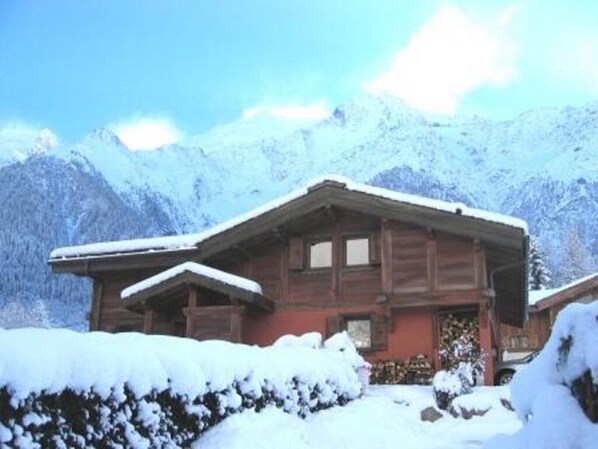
(459,339)
(420,370)
(389,372)
(417,370)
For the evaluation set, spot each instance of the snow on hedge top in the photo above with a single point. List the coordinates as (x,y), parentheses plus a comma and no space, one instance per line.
(35,360)
(196,268)
(535,296)
(190,241)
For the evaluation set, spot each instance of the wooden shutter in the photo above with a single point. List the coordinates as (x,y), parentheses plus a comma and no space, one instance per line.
(334,324)
(375,248)
(296,253)
(379,331)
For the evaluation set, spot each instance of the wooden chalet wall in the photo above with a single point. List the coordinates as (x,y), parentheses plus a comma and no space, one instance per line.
(414,273)
(107,312)
(531,337)
(536,330)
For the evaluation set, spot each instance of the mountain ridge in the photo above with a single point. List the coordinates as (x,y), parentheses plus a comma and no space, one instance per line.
(541,166)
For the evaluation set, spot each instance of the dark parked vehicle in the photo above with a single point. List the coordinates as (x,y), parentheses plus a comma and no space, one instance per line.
(504,371)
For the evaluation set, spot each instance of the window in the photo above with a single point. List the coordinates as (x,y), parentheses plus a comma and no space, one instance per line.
(357,251)
(519,342)
(320,254)
(360,332)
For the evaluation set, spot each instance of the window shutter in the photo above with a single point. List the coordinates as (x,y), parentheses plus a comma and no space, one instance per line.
(375,248)
(379,331)
(296,253)
(334,324)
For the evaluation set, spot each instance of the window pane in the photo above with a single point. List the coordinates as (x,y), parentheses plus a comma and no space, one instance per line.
(320,255)
(360,331)
(357,252)
(519,342)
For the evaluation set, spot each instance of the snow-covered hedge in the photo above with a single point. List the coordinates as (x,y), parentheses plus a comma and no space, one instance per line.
(62,389)
(556,396)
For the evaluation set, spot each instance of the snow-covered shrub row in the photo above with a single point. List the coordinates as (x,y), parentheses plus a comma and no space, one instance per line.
(59,388)
(548,395)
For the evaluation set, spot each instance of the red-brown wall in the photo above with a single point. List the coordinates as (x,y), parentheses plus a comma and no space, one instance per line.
(413,332)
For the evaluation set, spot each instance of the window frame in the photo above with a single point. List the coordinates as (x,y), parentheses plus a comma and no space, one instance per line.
(359,236)
(308,252)
(360,317)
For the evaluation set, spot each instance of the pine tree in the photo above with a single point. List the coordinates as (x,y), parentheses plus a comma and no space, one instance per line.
(17,314)
(577,260)
(539,273)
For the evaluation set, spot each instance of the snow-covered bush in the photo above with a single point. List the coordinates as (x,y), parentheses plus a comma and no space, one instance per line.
(556,395)
(62,389)
(463,355)
(465,366)
(342,344)
(448,385)
(339,343)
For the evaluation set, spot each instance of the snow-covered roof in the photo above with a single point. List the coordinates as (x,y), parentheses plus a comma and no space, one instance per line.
(196,268)
(190,241)
(535,296)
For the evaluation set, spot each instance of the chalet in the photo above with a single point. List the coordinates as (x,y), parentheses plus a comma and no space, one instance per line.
(544,305)
(335,255)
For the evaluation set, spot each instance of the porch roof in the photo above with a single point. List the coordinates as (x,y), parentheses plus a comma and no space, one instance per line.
(195,274)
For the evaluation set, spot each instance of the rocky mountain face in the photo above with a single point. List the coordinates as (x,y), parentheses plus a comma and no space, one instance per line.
(541,166)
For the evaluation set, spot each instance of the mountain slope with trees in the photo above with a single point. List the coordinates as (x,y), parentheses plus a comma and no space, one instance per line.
(541,166)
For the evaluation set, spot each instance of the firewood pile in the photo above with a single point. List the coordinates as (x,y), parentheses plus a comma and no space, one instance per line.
(459,339)
(420,370)
(389,372)
(417,370)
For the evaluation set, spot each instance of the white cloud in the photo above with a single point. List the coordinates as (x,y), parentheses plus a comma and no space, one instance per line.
(147,133)
(315,111)
(450,56)
(22,135)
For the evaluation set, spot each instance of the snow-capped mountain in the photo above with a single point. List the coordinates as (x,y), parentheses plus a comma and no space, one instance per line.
(17,143)
(541,166)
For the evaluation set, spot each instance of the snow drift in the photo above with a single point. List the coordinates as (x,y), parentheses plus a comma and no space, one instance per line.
(556,395)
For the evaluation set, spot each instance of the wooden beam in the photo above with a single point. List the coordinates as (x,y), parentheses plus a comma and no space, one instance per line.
(149,321)
(479,262)
(331,212)
(284,272)
(434,301)
(386,256)
(432,261)
(193,297)
(263,303)
(192,304)
(483,317)
(96,305)
(337,257)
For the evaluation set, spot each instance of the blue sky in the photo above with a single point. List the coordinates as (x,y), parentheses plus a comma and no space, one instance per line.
(170,69)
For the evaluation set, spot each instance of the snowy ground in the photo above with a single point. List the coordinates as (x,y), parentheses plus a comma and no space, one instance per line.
(387,417)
